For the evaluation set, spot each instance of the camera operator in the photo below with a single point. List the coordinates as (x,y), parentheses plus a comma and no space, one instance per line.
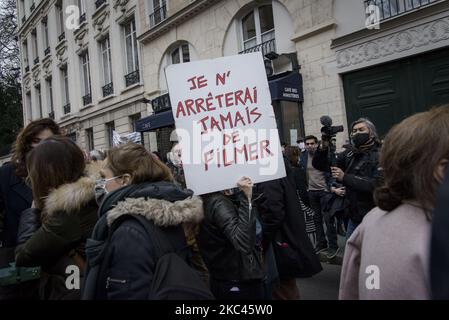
(356,168)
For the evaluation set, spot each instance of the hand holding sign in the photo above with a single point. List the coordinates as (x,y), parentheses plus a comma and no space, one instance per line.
(246,185)
(225,121)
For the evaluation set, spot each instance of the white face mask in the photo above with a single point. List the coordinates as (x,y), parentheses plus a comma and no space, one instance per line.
(302,145)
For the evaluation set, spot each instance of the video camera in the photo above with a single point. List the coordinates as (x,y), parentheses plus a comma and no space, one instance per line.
(329,131)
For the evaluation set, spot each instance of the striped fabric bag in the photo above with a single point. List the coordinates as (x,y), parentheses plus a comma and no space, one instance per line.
(310,223)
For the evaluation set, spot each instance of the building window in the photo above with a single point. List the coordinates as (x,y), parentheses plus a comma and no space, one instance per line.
(258,30)
(86,83)
(180,54)
(45,36)
(35,48)
(105,50)
(22,10)
(39,100)
(25,55)
(60,16)
(110,127)
(65,91)
(132,121)
(50,98)
(158,13)
(90,139)
(131,53)
(82,10)
(28,107)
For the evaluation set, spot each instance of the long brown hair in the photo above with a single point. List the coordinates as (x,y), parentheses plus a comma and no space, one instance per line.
(24,140)
(292,153)
(410,153)
(135,160)
(52,163)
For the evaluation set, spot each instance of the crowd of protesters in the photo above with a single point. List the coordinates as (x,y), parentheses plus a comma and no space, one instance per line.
(126,221)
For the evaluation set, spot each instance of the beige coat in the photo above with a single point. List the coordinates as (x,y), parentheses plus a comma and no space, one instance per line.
(393,245)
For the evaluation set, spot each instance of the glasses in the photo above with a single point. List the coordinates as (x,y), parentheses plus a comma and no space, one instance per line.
(101,183)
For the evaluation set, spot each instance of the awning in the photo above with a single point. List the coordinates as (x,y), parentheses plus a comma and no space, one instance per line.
(286,86)
(155,121)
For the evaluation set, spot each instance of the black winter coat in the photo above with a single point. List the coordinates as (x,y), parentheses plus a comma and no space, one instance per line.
(68,218)
(283,222)
(361,177)
(127,272)
(15,197)
(227,239)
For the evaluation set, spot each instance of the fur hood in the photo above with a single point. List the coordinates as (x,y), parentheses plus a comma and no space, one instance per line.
(73,196)
(161,212)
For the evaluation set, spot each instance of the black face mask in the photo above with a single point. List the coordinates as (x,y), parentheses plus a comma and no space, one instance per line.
(360,139)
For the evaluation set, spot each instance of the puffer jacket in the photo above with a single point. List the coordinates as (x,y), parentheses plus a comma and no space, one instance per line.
(55,238)
(227,239)
(127,271)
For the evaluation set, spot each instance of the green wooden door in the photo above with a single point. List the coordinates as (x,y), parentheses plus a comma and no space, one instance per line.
(388,93)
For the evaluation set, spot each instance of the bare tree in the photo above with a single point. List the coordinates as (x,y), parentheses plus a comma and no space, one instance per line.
(9,49)
(11,119)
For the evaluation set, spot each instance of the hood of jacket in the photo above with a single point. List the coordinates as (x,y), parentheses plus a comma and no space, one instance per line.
(71,197)
(163,203)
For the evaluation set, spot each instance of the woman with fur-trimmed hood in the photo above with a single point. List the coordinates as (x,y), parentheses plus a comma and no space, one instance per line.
(52,234)
(137,190)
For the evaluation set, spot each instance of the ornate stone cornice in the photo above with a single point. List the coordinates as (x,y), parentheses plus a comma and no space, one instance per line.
(412,39)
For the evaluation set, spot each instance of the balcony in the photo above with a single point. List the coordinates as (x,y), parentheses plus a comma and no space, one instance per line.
(132,78)
(51,115)
(87,99)
(108,89)
(61,36)
(66,108)
(36,61)
(33,6)
(99,3)
(82,18)
(27,69)
(393,8)
(24,18)
(265,47)
(159,15)
(47,51)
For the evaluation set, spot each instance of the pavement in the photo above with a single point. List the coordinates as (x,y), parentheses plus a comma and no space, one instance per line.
(324,285)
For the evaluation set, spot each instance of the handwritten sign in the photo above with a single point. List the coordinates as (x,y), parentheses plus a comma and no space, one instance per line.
(225,122)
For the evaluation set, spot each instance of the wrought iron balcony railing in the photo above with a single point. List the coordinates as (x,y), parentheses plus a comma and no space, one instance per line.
(98,3)
(87,99)
(61,36)
(108,89)
(36,61)
(82,18)
(47,51)
(132,78)
(66,108)
(27,69)
(33,6)
(51,115)
(393,8)
(159,15)
(265,47)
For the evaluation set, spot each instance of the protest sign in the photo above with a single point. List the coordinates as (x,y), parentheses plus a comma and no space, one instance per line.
(225,122)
